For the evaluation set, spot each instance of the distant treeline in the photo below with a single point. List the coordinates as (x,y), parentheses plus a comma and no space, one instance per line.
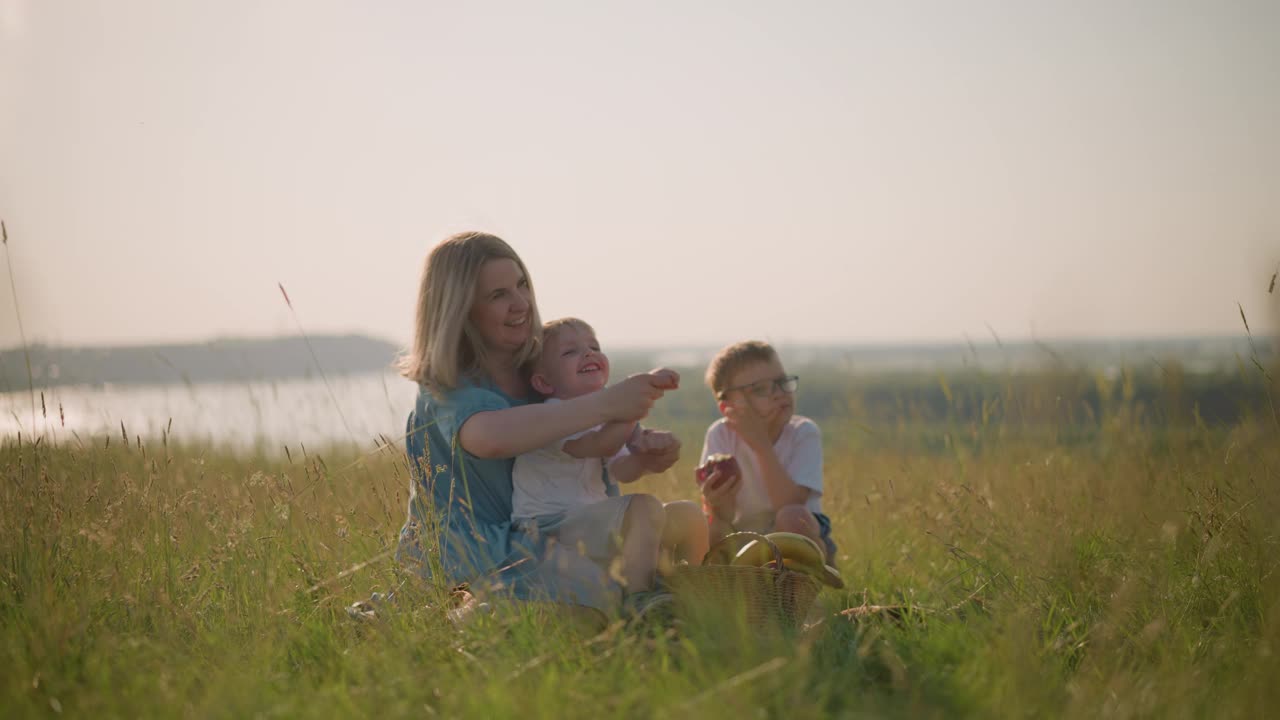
(217,361)
(1058,393)
(1165,395)
(1162,394)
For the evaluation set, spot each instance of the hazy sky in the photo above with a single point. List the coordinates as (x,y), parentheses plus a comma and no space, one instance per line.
(672,172)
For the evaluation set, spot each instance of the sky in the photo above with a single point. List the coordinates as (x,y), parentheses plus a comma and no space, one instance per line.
(672,172)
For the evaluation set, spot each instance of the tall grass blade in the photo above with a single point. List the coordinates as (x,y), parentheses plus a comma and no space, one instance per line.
(22,333)
(316,359)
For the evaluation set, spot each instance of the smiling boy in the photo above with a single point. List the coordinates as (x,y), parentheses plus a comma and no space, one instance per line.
(568,491)
(778,483)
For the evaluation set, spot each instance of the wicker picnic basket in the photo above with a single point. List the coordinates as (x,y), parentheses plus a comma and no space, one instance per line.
(764,596)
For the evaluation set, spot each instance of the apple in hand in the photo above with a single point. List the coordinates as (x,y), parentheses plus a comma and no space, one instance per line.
(726,464)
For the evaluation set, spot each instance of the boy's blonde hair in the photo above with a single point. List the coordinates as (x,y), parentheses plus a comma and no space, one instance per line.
(730,360)
(552,330)
(445,344)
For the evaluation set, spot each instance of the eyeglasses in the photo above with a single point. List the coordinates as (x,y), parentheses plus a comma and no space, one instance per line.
(763,389)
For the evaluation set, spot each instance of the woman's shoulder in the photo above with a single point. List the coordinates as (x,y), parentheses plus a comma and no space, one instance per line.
(470,392)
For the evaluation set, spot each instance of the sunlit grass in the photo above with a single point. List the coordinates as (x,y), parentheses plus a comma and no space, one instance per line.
(1132,572)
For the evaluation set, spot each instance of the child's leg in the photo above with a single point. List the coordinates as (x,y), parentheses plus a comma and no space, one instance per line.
(641,536)
(685,532)
(798,519)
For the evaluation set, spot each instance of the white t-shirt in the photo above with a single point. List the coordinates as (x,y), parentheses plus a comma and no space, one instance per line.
(549,480)
(799,449)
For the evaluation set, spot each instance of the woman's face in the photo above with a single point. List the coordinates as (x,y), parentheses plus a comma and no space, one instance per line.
(502,306)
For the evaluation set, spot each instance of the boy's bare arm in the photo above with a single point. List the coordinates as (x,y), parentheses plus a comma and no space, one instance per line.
(654,451)
(602,443)
(627,468)
(782,490)
(778,484)
(717,529)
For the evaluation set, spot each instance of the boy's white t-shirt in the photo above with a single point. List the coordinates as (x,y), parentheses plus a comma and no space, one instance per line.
(549,480)
(799,449)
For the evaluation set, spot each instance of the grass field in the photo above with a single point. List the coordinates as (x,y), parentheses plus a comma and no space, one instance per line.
(1134,574)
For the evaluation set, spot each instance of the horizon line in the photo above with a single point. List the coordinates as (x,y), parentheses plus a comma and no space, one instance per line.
(963,341)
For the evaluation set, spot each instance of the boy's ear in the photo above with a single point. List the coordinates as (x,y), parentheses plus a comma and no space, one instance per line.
(539,383)
(723,405)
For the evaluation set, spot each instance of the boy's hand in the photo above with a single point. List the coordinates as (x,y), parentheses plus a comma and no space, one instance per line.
(720,493)
(656,450)
(747,423)
(653,442)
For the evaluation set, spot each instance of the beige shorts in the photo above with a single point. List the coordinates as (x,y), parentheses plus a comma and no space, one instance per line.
(595,530)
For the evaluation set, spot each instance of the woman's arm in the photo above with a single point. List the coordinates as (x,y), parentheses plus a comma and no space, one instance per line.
(512,431)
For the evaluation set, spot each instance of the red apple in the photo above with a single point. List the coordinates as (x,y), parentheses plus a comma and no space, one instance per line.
(726,464)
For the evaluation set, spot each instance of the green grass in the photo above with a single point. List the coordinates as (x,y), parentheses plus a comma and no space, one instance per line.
(1134,574)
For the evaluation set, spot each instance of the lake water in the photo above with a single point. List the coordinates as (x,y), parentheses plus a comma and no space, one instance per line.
(355,408)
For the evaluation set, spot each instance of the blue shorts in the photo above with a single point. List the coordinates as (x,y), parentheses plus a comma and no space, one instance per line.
(824,523)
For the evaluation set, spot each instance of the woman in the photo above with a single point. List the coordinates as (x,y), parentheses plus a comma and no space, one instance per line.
(477,325)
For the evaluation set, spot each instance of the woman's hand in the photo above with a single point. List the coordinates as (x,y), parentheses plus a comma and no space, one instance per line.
(665,378)
(631,399)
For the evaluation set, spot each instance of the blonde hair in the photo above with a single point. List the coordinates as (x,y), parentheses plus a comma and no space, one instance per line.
(445,344)
(552,330)
(730,360)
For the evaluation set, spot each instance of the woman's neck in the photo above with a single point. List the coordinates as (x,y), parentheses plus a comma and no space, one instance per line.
(506,375)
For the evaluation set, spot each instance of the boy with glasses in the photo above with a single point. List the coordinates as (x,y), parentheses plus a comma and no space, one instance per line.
(777,484)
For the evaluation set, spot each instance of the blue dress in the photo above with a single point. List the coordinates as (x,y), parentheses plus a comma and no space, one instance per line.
(459,525)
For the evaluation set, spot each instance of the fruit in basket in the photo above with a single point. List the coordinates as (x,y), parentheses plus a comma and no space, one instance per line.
(795,546)
(754,554)
(791,546)
(725,463)
(799,553)
(802,554)
(821,572)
